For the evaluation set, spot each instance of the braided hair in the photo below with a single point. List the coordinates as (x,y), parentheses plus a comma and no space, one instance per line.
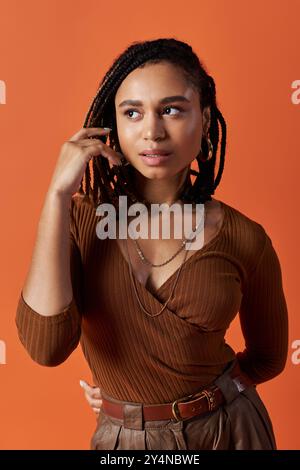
(104,184)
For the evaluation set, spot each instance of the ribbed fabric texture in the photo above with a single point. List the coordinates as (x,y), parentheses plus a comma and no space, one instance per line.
(134,357)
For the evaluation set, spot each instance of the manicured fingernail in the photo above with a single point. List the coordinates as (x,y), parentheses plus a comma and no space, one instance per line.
(82,383)
(107,128)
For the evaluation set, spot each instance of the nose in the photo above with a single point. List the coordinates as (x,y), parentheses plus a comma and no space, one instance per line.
(153,127)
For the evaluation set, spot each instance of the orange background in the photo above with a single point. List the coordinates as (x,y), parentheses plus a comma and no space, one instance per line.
(52,57)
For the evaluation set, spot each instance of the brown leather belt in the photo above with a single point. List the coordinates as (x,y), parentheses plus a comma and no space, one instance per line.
(208,399)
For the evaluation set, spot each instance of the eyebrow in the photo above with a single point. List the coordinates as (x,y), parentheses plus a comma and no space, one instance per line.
(167,99)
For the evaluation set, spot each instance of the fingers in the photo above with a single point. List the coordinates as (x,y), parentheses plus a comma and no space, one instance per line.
(92,395)
(113,157)
(90,145)
(95,146)
(93,392)
(92,402)
(88,132)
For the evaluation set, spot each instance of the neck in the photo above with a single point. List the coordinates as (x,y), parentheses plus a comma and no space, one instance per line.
(160,191)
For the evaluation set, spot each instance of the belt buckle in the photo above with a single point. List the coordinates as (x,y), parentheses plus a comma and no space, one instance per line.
(175,409)
(208,394)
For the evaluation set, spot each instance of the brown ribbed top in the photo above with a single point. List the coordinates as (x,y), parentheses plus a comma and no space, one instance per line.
(137,358)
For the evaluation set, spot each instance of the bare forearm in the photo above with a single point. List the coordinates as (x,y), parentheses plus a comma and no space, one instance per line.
(48,287)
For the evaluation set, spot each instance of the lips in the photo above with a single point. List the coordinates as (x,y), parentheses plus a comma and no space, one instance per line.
(156,160)
(156,152)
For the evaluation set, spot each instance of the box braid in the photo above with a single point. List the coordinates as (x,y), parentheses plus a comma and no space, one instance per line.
(105,184)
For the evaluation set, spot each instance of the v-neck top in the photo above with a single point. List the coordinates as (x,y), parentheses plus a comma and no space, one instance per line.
(136,357)
(197,253)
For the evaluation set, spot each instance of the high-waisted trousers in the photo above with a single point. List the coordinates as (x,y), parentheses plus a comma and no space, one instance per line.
(240,423)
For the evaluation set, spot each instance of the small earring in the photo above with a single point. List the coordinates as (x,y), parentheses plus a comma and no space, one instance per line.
(210,151)
(211,148)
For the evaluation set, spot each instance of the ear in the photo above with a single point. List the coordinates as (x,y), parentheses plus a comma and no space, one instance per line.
(206,119)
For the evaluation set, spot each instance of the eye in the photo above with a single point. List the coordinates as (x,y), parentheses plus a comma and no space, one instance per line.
(173,107)
(129,111)
(167,107)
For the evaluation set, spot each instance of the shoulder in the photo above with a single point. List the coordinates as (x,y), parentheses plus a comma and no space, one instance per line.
(246,235)
(245,224)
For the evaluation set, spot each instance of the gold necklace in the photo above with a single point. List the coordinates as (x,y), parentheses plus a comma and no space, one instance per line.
(175,282)
(146,261)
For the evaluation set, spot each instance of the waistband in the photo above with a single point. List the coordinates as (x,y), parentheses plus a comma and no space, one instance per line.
(206,400)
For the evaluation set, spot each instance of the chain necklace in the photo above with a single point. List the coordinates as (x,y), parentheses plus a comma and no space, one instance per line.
(146,261)
(188,240)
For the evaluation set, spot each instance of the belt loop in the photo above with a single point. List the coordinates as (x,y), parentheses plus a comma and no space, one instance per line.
(133,416)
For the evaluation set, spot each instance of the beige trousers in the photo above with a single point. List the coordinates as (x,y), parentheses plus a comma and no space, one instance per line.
(242,423)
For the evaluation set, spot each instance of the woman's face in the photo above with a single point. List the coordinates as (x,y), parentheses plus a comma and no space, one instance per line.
(175,126)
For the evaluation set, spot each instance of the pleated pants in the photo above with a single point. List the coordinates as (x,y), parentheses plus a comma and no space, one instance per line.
(241,423)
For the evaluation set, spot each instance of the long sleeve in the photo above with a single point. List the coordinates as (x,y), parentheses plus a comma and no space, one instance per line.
(49,340)
(264,319)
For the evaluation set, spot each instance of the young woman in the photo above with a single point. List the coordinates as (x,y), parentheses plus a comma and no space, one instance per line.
(151,316)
